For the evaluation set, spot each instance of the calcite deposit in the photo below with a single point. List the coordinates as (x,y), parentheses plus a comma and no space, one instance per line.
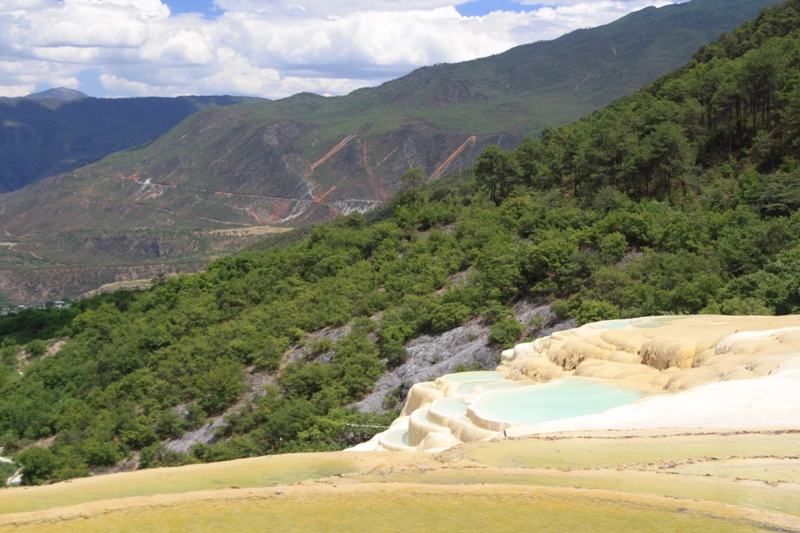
(693,371)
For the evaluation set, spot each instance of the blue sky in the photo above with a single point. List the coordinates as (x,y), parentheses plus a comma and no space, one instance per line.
(469,9)
(484,7)
(205,7)
(269,48)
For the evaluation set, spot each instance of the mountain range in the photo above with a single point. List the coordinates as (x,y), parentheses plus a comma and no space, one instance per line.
(58,130)
(308,158)
(61,94)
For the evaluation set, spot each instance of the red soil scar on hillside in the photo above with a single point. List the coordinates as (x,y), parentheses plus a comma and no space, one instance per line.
(333,151)
(584,81)
(373,180)
(446,163)
(321,197)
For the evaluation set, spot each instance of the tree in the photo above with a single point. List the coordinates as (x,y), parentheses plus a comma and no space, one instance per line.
(38,465)
(613,247)
(550,259)
(413,181)
(595,311)
(506,332)
(497,171)
(36,348)
(414,178)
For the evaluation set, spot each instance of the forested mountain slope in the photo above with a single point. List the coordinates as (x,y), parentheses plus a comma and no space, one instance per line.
(679,199)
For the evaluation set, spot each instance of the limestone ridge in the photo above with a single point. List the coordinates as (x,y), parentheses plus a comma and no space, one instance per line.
(698,371)
(671,353)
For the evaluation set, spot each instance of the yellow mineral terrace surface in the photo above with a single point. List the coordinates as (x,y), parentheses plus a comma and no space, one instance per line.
(672,353)
(705,438)
(647,480)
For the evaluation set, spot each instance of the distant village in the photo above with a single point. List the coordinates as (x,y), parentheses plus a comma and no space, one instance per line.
(58,304)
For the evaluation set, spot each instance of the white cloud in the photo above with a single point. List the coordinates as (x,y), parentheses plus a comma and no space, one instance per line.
(269,48)
(323,8)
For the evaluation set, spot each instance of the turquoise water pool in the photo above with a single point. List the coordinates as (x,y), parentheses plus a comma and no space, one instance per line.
(667,319)
(613,324)
(652,322)
(449,406)
(473,376)
(396,437)
(553,401)
(469,387)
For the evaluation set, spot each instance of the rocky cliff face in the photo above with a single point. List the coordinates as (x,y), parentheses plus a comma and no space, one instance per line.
(432,356)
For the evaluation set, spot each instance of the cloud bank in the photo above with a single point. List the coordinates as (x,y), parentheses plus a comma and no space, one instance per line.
(270,48)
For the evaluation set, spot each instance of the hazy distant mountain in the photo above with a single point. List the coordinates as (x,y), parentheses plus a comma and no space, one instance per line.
(61,93)
(55,131)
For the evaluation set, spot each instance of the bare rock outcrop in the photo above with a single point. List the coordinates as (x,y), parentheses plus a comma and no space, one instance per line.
(432,356)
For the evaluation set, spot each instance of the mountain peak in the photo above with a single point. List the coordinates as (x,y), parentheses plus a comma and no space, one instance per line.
(60,93)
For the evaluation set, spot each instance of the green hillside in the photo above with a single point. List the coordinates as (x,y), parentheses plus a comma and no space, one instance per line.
(679,199)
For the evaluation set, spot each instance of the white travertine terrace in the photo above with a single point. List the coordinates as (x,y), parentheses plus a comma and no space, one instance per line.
(697,371)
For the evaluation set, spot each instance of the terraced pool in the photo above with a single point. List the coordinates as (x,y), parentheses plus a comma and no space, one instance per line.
(565,398)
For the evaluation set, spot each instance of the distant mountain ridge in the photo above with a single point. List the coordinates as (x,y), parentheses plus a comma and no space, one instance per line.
(59,93)
(58,130)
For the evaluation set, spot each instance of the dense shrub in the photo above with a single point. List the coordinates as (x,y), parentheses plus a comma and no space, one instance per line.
(506,332)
